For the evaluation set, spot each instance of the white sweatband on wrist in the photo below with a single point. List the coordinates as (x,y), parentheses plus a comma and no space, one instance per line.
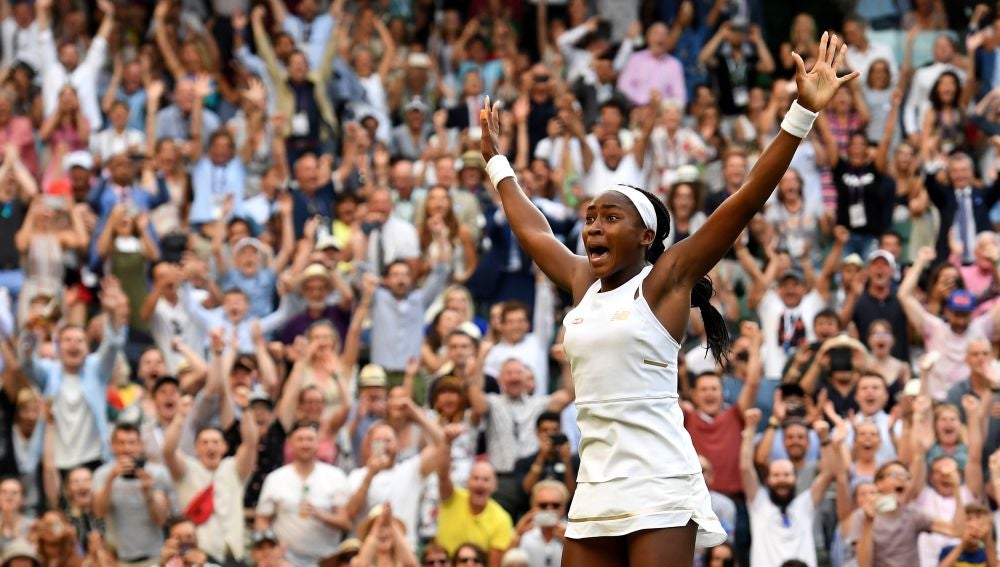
(498,168)
(798,120)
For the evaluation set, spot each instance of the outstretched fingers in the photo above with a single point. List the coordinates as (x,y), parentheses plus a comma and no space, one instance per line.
(800,65)
(841,54)
(849,77)
(823,42)
(831,49)
(484,115)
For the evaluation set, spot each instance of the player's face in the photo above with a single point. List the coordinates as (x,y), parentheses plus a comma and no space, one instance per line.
(614,234)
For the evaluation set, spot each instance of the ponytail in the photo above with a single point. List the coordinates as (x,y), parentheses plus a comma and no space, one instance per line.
(716,330)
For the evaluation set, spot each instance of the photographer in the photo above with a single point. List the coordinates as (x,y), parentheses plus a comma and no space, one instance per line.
(541,531)
(132,497)
(553,461)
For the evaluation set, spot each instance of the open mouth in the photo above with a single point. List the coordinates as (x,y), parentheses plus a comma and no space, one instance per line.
(597,253)
(900,490)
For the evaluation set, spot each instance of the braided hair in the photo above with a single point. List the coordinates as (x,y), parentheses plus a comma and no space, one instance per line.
(716,330)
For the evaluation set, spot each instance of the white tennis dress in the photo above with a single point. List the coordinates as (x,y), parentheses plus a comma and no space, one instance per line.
(638,467)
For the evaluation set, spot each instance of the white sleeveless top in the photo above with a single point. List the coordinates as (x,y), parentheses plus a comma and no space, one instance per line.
(624,365)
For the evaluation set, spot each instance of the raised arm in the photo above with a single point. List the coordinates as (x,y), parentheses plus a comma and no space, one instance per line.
(388,48)
(748,474)
(882,154)
(172,440)
(569,271)
(166,49)
(832,262)
(748,395)
(707,55)
(246,455)
(977,415)
(765,61)
(827,463)
(688,261)
(914,311)
(651,117)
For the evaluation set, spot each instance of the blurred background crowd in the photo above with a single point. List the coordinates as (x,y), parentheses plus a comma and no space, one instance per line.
(259,305)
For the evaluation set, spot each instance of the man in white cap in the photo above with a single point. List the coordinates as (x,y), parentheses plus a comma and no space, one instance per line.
(20,553)
(872,299)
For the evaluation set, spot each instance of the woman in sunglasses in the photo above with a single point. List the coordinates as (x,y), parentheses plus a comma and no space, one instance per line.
(640,496)
(435,556)
(469,555)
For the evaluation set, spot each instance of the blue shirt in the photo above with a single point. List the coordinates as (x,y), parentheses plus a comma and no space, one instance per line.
(105,195)
(172,124)
(214,318)
(94,377)
(136,108)
(306,207)
(311,37)
(211,183)
(259,288)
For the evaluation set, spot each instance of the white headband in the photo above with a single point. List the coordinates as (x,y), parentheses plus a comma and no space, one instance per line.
(641,202)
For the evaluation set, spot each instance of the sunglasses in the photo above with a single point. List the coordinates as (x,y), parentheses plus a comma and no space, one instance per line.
(464,560)
(432,562)
(549,505)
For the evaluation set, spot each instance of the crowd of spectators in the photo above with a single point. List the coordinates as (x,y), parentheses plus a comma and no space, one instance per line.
(259,304)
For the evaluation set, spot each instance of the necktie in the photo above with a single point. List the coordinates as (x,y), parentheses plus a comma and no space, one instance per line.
(963,225)
(379,252)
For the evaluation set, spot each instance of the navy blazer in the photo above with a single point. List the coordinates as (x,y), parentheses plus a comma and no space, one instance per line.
(943,197)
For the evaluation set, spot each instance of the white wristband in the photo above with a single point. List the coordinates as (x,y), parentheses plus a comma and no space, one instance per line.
(498,168)
(798,120)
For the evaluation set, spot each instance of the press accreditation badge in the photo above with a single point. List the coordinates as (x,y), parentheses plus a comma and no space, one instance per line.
(741,96)
(856,214)
(300,124)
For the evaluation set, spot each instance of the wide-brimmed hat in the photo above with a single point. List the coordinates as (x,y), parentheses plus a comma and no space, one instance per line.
(315,271)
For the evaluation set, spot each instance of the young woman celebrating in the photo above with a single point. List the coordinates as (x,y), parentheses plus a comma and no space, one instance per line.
(640,495)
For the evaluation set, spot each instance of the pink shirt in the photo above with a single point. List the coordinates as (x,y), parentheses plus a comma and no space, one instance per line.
(951,367)
(18,132)
(643,72)
(978,281)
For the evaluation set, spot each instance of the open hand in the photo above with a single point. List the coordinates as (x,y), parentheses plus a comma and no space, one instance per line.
(489,121)
(818,86)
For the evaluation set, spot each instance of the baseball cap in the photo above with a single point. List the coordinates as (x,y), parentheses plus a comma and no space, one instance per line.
(418,59)
(249,241)
(961,301)
(259,395)
(853,259)
(416,103)
(885,255)
(247,362)
(472,158)
(163,381)
(792,273)
(264,536)
(326,241)
(372,376)
(19,549)
(78,159)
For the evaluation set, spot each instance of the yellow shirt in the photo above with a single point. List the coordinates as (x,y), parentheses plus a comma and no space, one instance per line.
(490,529)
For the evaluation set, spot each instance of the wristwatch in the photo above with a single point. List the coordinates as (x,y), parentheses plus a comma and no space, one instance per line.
(773,422)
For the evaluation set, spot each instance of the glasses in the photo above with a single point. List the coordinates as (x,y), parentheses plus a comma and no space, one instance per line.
(432,562)
(466,560)
(550,505)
